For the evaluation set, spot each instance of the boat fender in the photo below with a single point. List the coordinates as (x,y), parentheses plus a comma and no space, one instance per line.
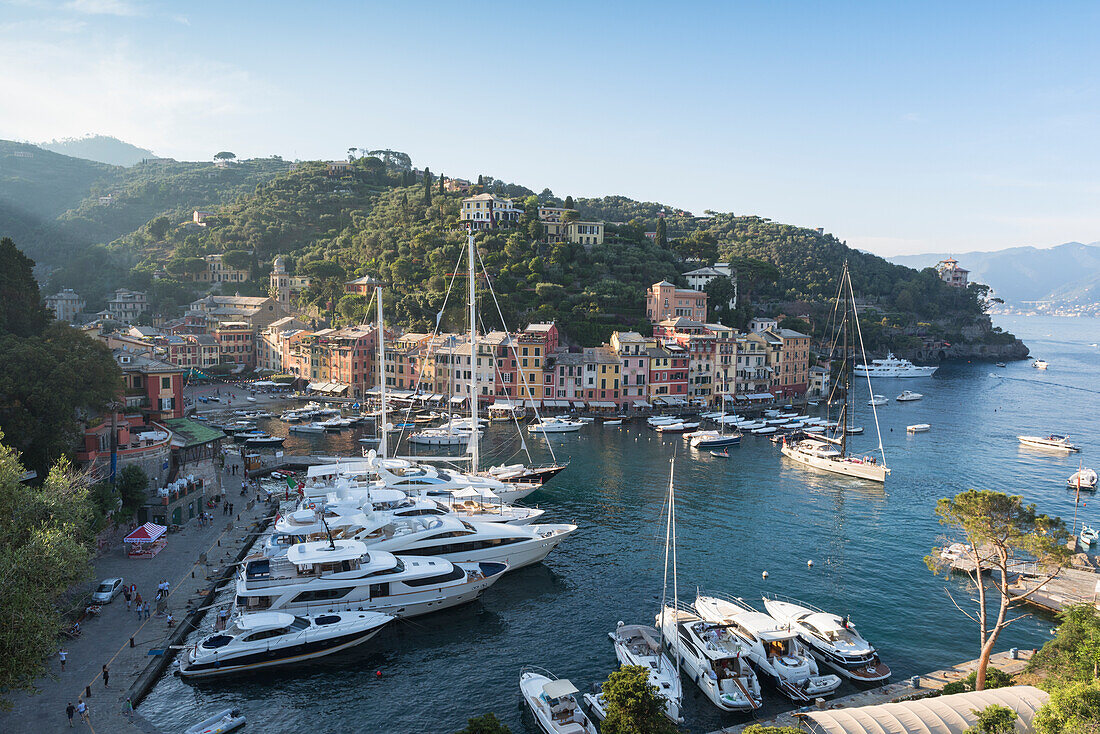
(764,575)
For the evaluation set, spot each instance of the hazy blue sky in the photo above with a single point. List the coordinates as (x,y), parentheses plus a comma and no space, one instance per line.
(899,127)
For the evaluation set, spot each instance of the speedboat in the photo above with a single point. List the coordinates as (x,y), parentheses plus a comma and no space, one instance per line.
(775,651)
(266,639)
(553,703)
(306,428)
(713,657)
(339,576)
(555,425)
(615,422)
(1040,364)
(892,367)
(1001,364)
(1089,536)
(878,400)
(679,427)
(832,639)
(639,644)
(918,428)
(220,723)
(264,440)
(1082,479)
(908,396)
(1052,441)
(854,430)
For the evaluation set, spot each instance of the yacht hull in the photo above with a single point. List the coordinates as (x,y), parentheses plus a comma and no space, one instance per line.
(871,472)
(272,658)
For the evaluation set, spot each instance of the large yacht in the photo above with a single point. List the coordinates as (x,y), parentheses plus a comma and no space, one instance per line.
(774,650)
(834,640)
(712,656)
(266,639)
(821,454)
(892,367)
(342,576)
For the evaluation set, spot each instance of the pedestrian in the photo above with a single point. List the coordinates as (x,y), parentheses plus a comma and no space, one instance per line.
(126,593)
(70,710)
(137,600)
(128,710)
(230,508)
(63,654)
(171,619)
(82,709)
(106,677)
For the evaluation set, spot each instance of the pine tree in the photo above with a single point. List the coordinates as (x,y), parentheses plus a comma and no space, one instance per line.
(569,202)
(427,185)
(662,234)
(480,180)
(441,189)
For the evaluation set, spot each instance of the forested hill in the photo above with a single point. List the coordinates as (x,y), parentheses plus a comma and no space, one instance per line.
(380,218)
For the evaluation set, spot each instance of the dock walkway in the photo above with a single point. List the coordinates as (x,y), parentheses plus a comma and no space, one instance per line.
(929,684)
(106,639)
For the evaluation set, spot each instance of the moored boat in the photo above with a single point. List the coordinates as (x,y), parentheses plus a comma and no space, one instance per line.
(1082,479)
(1052,441)
(553,703)
(892,367)
(918,428)
(908,396)
(224,721)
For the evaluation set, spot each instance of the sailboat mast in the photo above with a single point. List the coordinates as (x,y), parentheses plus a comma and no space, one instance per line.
(473,358)
(381,425)
(847,376)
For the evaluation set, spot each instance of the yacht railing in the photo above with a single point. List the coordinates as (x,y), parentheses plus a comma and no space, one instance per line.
(791,600)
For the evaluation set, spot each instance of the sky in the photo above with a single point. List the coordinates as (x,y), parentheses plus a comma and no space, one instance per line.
(898,127)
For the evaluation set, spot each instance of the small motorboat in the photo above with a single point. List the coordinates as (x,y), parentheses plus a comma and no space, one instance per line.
(854,430)
(918,428)
(720,454)
(264,440)
(1053,441)
(553,704)
(306,428)
(878,400)
(616,422)
(227,720)
(1082,479)
(1089,536)
(1040,364)
(908,396)
(1002,364)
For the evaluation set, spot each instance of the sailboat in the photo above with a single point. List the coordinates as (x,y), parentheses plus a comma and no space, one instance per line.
(715,439)
(638,644)
(830,453)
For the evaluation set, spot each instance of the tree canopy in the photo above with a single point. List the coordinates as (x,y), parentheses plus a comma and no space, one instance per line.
(21,311)
(634,706)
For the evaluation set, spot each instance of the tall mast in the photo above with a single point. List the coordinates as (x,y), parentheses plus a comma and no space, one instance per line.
(473,357)
(382,426)
(847,375)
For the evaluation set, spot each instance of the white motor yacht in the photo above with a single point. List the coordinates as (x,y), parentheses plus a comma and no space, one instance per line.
(775,651)
(834,640)
(877,400)
(892,367)
(1052,441)
(639,644)
(306,428)
(553,704)
(325,576)
(678,427)
(1040,364)
(555,425)
(1082,479)
(266,639)
(908,396)
(460,541)
(713,657)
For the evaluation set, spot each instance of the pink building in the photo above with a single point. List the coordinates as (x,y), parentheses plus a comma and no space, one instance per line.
(665,301)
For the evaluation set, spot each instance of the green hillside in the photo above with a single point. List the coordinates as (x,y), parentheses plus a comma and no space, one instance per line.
(379,219)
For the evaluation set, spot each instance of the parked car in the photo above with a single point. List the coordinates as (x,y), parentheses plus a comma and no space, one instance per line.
(107,591)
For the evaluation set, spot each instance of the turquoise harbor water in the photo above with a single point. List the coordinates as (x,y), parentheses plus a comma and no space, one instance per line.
(738,517)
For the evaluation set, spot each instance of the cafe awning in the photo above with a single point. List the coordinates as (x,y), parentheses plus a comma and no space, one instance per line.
(578,404)
(641,404)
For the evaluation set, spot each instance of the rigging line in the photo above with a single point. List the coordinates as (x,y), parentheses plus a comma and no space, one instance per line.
(863,351)
(492,361)
(431,345)
(1051,384)
(523,380)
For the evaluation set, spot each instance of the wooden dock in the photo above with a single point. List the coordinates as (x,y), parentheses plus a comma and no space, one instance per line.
(1073,585)
(927,685)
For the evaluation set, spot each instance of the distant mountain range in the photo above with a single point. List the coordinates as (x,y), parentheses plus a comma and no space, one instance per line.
(1068,275)
(99,148)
